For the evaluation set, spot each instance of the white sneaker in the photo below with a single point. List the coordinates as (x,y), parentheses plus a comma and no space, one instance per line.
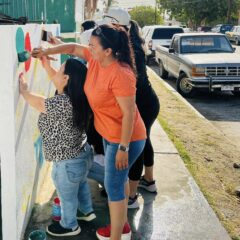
(88,217)
(149,186)
(133,202)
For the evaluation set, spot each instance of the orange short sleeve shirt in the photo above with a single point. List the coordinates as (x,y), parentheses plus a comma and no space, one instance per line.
(103,85)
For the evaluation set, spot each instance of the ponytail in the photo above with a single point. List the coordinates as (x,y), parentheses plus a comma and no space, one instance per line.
(124,54)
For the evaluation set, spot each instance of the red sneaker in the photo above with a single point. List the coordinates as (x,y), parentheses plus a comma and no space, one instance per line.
(105,232)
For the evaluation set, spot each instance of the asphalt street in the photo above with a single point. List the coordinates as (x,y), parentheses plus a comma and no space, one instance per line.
(222,108)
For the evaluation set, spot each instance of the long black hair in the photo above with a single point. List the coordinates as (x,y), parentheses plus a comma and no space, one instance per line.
(134,33)
(77,73)
(139,53)
(117,39)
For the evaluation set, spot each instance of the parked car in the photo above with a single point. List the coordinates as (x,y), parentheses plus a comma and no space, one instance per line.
(200,61)
(234,35)
(158,35)
(222,28)
(204,29)
(187,30)
(229,34)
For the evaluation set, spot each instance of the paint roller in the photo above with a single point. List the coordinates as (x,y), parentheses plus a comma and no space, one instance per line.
(23,56)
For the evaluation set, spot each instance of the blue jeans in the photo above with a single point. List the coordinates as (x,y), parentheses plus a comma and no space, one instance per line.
(96,173)
(114,179)
(70,179)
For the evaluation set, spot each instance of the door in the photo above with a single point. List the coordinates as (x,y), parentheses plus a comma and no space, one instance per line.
(173,61)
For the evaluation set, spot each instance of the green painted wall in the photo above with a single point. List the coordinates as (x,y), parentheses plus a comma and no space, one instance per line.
(61,10)
(17,8)
(64,12)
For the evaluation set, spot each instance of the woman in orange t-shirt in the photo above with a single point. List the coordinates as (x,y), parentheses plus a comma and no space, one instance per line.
(111,88)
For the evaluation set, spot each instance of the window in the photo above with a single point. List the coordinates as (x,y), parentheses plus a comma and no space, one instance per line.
(205,44)
(165,33)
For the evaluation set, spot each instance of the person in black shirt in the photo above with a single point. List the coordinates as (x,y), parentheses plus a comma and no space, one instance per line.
(149,106)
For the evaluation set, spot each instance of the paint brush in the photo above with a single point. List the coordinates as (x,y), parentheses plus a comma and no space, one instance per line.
(23,56)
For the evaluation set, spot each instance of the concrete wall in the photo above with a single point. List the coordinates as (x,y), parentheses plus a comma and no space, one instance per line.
(22,162)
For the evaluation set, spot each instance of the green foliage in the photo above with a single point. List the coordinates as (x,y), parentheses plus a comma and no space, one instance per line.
(206,12)
(146,15)
(111,2)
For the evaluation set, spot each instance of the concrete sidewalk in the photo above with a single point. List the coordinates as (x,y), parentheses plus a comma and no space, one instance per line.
(178,212)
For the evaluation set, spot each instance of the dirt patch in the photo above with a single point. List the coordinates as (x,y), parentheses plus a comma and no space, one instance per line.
(207,153)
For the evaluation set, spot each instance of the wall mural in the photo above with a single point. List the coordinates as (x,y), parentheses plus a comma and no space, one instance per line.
(29,159)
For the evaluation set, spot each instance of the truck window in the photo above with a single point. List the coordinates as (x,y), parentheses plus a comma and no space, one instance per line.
(165,33)
(205,44)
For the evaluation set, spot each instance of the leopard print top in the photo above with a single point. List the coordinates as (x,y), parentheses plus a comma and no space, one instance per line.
(60,139)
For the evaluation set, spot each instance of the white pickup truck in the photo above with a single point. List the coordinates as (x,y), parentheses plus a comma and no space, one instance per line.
(200,60)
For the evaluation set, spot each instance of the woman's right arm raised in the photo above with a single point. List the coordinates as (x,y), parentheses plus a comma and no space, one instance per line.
(65,48)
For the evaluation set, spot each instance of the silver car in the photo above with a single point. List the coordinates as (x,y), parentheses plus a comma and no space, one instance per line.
(234,35)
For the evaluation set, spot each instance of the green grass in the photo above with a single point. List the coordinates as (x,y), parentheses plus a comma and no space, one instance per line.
(192,168)
(177,142)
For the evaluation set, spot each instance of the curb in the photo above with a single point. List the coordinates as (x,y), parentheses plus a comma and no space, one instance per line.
(183,100)
(174,92)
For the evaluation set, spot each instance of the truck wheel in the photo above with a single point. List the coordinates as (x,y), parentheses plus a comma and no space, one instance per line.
(236,93)
(162,71)
(183,86)
(237,41)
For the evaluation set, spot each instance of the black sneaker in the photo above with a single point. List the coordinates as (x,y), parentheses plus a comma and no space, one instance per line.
(57,230)
(88,217)
(149,186)
(133,202)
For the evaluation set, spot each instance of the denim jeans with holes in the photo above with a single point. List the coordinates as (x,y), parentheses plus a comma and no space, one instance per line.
(70,179)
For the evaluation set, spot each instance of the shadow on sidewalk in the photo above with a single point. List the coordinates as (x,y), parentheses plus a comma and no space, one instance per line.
(141,220)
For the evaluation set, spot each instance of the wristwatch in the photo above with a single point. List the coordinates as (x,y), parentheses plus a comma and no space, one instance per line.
(123,148)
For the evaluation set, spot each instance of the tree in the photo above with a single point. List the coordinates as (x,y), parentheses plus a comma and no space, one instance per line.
(146,15)
(111,2)
(90,8)
(199,12)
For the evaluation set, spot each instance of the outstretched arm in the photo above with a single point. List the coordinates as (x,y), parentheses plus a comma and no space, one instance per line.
(65,48)
(47,66)
(35,100)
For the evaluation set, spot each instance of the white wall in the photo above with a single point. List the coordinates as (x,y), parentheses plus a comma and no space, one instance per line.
(22,164)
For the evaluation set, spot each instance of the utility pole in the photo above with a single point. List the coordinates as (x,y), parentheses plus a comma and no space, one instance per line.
(155,12)
(238,17)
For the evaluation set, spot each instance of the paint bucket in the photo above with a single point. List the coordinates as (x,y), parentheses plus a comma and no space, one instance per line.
(37,235)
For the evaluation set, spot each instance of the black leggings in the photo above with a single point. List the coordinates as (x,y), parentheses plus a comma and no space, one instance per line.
(149,107)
